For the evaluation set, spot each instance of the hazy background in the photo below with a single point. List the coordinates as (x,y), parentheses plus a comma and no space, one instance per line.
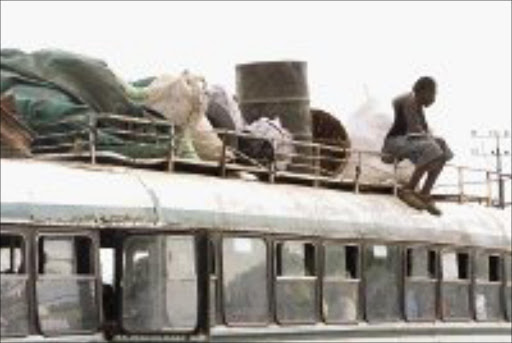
(353,49)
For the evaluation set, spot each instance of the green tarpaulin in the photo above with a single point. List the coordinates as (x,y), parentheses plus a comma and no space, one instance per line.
(50,86)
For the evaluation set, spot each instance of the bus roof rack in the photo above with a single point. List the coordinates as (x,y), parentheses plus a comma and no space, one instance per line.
(152,143)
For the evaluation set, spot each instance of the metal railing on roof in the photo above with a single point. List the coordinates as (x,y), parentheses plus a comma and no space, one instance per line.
(301,162)
(475,185)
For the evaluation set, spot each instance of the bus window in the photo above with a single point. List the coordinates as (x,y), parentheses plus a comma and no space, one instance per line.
(455,287)
(244,266)
(382,268)
(14,316)
(295,282)
(159,283)
(488,286)
(508,285)
(341,283)
(66,285)
(420,283)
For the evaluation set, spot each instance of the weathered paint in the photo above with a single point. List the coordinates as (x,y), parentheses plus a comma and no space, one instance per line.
(103,196)
(363,332)
(386,332)
(51,193)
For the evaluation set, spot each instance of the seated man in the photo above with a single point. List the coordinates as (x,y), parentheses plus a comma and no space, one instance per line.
(409,138)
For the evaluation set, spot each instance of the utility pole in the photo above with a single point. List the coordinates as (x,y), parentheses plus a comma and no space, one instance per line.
(498,152)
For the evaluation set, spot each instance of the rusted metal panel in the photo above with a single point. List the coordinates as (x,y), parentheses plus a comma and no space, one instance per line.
(15,136)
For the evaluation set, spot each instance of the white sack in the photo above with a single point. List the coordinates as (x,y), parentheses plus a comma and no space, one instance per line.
(183,101)
(367,128)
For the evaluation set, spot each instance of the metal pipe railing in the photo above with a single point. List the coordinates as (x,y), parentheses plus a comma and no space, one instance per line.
(310,163)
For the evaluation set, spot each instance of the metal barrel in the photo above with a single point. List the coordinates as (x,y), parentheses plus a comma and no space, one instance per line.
(276,89)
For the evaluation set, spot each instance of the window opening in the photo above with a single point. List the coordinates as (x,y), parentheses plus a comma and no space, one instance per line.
(159,283)
(296,281)
(487,292)
(383,270)
(244,266)
(14,316)
(421,262)
(455,290)
(11,255)
(340,302)
(66,285)
(432,264)
(212,260)
(420,290)
(351,261)
(494,268)
(65,255)
(463,266)
(409,262)
(295,258)
(341,261)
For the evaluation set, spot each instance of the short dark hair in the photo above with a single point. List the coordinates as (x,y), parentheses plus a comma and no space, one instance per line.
(424,83)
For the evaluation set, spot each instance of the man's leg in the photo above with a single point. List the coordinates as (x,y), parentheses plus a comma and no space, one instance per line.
(416,176)
(433,173)
(408,194)
(435,168)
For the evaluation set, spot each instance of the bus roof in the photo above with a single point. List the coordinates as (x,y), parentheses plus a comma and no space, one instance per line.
(96,196)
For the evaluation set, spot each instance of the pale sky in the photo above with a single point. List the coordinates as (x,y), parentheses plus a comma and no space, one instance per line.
(383,46)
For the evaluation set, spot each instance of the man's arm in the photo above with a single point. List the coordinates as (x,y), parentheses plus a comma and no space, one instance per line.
(414,118)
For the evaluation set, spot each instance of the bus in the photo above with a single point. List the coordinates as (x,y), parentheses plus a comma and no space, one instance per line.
(95,252)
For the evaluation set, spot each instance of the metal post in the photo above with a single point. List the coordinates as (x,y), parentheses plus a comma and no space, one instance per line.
(497,136)
(272,172)
(316,165)
(395,177)
(489,188)
(461,183)
(92,136)
(501,186)
(170,153)
(223,155)
(272,166)
(358,172)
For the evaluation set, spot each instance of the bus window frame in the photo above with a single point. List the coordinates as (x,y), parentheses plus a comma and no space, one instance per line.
(436,280)
(26,235)
(220,277)
(366,244)
(486,252)
(469,282)
(214,241)
(359,280)
(507,282)
(317,310)
(93,235)
(202,275)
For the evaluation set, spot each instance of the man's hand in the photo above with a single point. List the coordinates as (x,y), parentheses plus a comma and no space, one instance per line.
(418,134)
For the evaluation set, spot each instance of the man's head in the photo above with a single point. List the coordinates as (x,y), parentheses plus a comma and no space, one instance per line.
(425,90)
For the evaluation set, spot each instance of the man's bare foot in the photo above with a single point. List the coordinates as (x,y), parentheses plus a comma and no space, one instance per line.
(411,198)
(430,205)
